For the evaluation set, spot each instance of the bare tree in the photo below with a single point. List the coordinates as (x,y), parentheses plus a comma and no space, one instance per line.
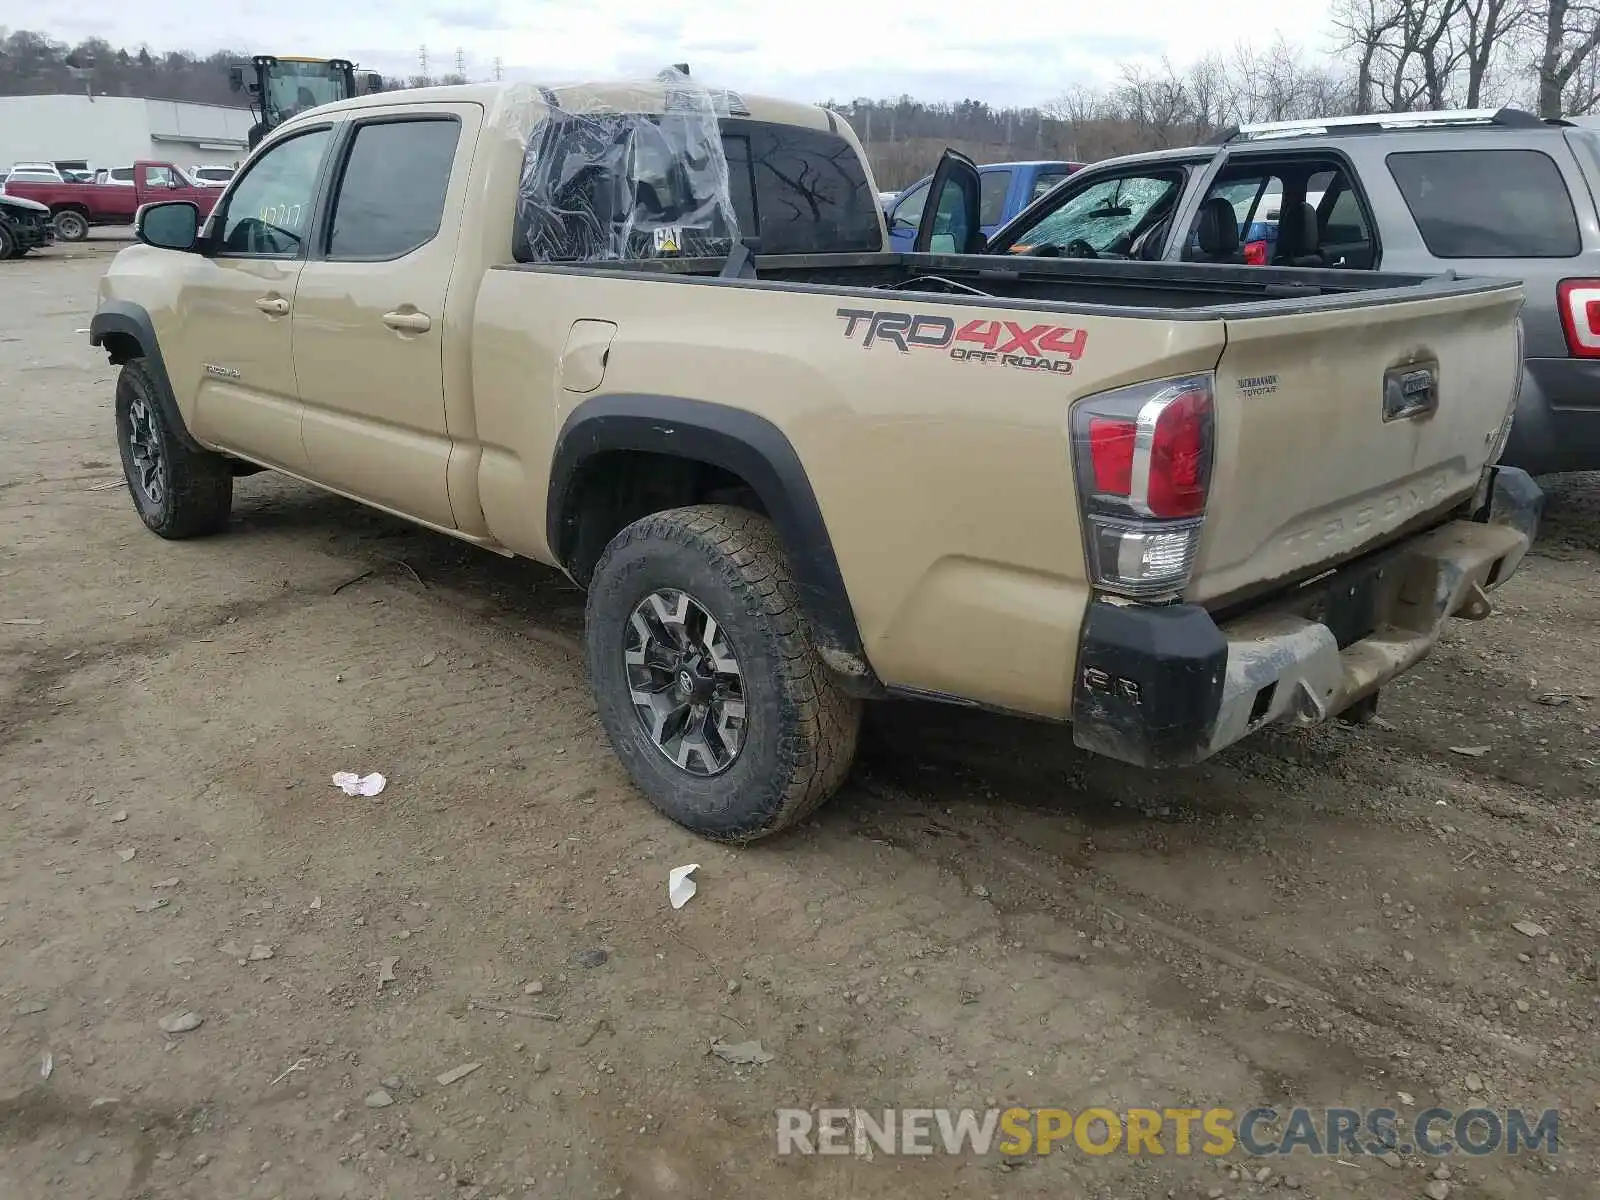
(1434,54)
(1155,102)
(1486,28)
(1571,32)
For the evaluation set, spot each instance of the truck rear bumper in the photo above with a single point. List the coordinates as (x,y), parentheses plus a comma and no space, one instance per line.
(1167,686)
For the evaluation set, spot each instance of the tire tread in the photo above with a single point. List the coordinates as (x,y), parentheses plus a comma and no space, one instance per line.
(199,482)
(743,547)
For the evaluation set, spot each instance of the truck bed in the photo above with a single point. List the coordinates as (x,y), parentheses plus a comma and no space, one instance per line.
(1133,289)
(1319,456)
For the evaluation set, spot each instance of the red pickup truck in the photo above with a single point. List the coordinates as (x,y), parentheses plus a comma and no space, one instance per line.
(75,207)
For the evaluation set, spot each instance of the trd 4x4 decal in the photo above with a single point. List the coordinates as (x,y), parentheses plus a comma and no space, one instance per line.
(1051,348)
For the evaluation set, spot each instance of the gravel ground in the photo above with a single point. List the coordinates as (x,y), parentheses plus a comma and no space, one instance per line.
(984,915)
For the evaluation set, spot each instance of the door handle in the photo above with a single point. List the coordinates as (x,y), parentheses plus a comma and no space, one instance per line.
(273,306)
(408,322)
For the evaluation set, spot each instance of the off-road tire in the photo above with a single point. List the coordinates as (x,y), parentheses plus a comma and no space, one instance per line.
(801,728)
(196,492)
(71,225)
(8,244)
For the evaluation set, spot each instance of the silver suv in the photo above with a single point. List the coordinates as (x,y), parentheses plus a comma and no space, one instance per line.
(1480,192)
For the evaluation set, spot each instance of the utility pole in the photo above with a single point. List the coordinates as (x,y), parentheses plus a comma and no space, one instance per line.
(461,62)
(422,59)
(498,69)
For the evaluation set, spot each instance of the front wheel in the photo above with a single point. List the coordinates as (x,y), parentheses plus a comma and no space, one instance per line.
(71,226)
(180,492)
(706,678)
(8,243)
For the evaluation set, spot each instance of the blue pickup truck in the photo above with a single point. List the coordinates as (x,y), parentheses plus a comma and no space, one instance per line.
(1005,190)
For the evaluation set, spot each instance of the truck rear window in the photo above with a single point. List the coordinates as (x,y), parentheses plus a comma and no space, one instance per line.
(799,191)
(593,189)
(1488,203)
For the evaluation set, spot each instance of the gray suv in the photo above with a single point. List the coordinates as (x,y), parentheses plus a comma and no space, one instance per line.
(1479,192)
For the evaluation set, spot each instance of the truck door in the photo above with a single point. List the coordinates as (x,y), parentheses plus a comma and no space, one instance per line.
(371,343)
(949,222)
(227,346)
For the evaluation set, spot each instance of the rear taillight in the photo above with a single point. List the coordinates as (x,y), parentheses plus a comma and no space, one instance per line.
(1255,254)
(1579,303)
(1143,465)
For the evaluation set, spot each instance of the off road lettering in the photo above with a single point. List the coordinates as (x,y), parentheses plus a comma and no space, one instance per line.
(1051,348)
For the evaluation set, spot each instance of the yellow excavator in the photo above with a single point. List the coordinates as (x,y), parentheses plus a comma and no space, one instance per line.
(282,86)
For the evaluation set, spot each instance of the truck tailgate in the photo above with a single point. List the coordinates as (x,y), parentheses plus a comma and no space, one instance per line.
(1329,437)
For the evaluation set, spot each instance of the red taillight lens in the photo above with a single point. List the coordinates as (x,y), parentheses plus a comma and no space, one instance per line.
(1180,453)
(1579,303)
(1111,443)
(1255,254)
(1142,457)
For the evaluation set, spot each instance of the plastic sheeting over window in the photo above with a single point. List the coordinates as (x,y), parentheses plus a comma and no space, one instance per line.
(600,182)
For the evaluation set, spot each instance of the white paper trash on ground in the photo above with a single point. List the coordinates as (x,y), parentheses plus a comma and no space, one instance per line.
(352,784)
(680,888)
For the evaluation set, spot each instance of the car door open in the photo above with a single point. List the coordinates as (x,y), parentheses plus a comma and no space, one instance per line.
(949,222)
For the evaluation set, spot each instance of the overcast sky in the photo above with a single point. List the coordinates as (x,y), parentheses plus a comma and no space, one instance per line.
(1023,52)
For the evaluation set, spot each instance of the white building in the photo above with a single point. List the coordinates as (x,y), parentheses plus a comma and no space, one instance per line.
(113,131)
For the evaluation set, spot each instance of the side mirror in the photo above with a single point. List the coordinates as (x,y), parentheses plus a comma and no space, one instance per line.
(168,225)
(173,183)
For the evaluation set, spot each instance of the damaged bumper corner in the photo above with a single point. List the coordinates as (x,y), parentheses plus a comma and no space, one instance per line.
(1162,687)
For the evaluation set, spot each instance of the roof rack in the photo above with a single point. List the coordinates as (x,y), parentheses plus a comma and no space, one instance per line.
(1500,118)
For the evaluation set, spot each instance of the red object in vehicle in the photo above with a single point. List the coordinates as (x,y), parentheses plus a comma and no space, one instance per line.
(76,207)
(1255,254)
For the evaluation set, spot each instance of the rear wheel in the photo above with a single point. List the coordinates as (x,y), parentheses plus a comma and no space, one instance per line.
(179,492)
(71,226)
(706,678)
(8,243)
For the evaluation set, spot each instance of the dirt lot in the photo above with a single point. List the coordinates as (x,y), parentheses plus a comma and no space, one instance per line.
(984,915)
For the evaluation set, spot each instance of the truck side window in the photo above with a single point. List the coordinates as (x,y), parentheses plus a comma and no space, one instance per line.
(1046,180)
(269,211)
(391,195)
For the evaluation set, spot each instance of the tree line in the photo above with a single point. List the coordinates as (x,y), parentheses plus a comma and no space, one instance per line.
(1390,56)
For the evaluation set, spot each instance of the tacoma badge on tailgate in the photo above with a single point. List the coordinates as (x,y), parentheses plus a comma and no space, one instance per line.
(1410,391)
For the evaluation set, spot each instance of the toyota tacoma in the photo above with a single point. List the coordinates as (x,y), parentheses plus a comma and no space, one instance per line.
(653,334)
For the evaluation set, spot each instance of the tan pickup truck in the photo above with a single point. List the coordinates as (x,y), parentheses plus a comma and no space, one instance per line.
(653,335)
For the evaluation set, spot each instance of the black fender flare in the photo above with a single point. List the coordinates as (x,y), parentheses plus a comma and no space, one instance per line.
(123,318)
(740,442)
